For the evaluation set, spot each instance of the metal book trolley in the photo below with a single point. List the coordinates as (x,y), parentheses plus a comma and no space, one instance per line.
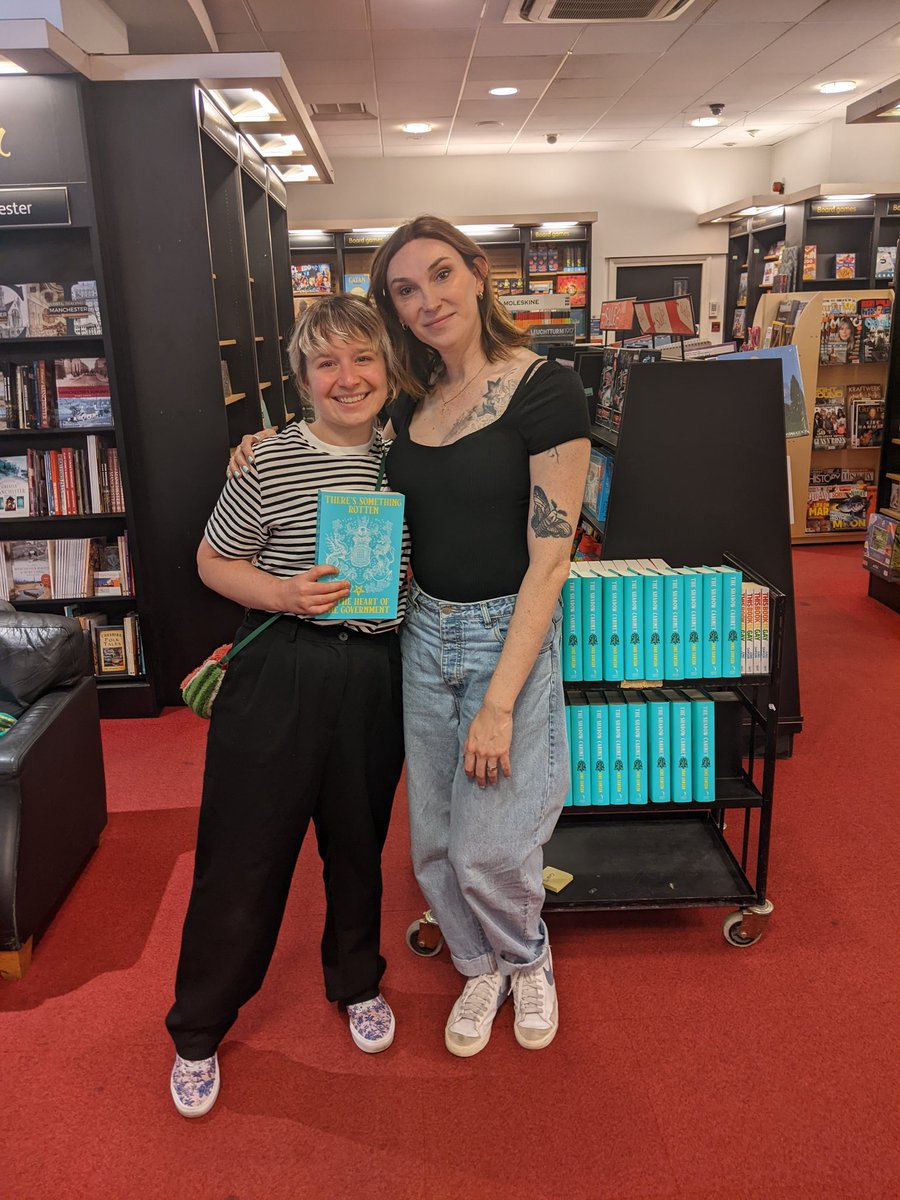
(711,854)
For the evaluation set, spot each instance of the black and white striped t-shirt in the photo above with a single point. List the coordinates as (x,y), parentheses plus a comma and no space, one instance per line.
(269,515)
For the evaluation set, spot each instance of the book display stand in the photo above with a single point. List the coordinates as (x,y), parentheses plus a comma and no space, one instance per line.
(814,469)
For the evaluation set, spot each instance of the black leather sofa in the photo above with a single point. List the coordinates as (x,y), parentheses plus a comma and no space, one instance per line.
(52,786)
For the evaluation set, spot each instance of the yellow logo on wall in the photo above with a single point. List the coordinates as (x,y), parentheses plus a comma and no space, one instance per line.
(3,153)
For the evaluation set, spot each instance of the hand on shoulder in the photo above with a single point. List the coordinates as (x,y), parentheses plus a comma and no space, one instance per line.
(242,455)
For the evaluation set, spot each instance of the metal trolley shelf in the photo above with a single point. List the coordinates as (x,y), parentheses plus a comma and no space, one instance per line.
(693,855)
(687,855)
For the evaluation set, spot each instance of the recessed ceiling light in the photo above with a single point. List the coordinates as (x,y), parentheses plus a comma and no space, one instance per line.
(836,86)
(856,196)
(276,145)
(702,122)
(8,67)
(503,91)
(417,127)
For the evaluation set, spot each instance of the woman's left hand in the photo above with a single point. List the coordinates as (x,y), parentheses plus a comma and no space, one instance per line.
(488,742)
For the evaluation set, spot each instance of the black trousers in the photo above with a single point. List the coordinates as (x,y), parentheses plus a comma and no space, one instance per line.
(307,725)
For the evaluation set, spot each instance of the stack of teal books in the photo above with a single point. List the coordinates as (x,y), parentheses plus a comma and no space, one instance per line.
(641,746)
(640,619)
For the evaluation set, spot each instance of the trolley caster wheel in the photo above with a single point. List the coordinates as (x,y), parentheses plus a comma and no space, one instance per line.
(746,927)
(424,936)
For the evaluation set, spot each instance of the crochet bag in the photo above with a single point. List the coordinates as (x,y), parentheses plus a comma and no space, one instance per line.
(200,688)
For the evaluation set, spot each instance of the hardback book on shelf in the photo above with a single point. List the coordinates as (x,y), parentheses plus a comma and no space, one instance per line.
(65,568)
(74,480)
(810,262)
(50,310)
(361,533)
(69,393)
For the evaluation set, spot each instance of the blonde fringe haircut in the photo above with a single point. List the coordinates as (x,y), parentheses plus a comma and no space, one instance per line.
(421,367)
(338,319)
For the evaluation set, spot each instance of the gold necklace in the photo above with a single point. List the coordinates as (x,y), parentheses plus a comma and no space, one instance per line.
(450,399)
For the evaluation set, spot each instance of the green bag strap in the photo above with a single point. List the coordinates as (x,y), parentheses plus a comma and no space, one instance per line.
(271,621)
(248,639)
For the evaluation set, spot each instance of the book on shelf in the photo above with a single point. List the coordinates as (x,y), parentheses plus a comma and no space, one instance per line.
(598,747)
(579,749)
(50,310)
(583,623)
(866,404)
(543,258)
(768,275)
(885,262)
(361,533)
(514,285)
(226,378)
(742,290)
(537,287)
(894,497)
(598,483)
(810,258)
(110,657)
(881,555)
(14,492)
(739,323)
(845,266)
(572,653)
(82,393)
(829,419)
(637,749)
(27,566)
(617,708)
(681,746)
(659,740)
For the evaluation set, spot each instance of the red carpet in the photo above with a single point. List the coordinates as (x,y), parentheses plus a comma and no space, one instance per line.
(683,1068)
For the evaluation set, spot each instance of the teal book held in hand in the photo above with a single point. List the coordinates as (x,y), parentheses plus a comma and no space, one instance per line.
(361,533)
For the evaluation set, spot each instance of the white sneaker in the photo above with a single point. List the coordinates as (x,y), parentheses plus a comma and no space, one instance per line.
(468,1028)
(537,1012)
(194,1085)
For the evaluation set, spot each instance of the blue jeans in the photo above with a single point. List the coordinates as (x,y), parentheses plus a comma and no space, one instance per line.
(478,852)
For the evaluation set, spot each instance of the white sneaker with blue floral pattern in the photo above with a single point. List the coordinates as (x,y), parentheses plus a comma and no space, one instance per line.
(372,1024)
(195,1085)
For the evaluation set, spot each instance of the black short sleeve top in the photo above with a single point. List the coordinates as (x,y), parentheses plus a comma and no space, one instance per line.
(467,503)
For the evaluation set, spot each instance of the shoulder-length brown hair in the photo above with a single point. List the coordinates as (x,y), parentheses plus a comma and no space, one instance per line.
(421,366)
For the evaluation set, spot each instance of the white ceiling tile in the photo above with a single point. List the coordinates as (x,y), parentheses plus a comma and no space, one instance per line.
(229,16)
(868,64)
(627,38)
(310,14)
(354,72)
(615,119)
(811,47)
(595,146)
(415,151)
(484,110)
(322,47)
(351,152)
(413,14)
(607,66)
(420,70)
(583,89)
(337,144)
(881,12)
(571,126)
(412,43)
(535,67)
(354,129)
(737,11)
(237,42)
(398,98)
(529,89)
(474,148)
(586,110)
(340,93)
(469,133)
(525,40)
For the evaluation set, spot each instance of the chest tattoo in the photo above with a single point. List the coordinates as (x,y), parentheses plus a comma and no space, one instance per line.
(493,403)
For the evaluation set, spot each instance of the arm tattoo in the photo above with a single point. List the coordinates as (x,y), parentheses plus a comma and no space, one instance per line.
(547,520)
(553,452)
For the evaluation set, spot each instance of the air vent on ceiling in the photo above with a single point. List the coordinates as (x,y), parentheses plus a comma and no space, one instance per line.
(548,12)
(352,111)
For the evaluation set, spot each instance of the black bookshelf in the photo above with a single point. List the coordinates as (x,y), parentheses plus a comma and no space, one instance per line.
(887,591)
(50,121)
(699,472)
(194,226)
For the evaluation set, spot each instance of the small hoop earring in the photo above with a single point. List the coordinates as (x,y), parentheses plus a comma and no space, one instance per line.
(403,327)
